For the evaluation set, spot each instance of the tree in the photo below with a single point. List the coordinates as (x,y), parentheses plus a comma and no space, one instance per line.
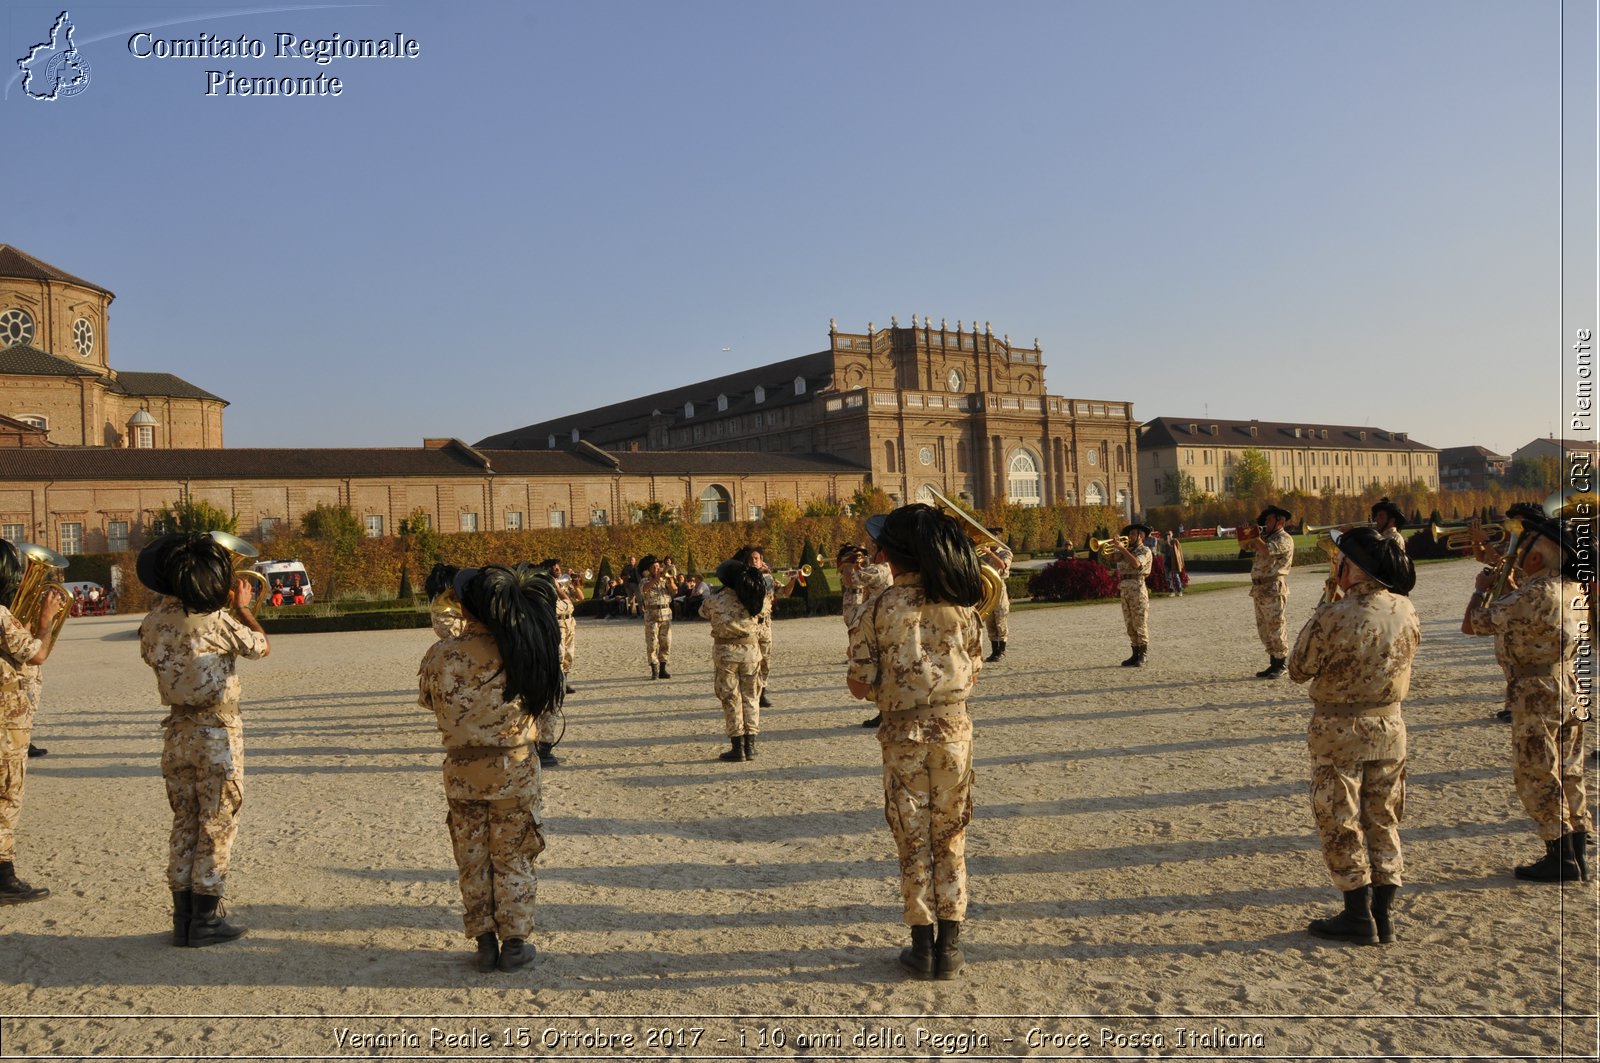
(1540,475)
(869,501)
(1252,474)
(339,527)
(656,513)
(1180,489)
(191,515)
(823,507)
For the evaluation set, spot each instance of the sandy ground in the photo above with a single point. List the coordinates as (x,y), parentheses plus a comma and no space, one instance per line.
(1143,863)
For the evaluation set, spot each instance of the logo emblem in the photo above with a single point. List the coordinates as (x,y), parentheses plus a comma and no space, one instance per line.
(55,68)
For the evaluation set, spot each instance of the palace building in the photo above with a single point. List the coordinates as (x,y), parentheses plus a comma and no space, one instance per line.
(961,411)
(56,374)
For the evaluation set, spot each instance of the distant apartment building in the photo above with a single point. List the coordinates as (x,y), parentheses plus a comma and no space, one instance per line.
(1470,468)
(1344,459)
(1572,454)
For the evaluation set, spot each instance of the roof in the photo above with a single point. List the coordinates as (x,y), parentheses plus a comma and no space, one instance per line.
(1462,453)
(452,460)
(1175,431)
(164,384)
(631,418)
(18,263)
(19,359)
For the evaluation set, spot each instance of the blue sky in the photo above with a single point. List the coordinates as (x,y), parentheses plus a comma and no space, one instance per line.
(1331,213)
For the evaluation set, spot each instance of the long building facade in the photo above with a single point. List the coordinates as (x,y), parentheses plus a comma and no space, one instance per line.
(1313,458)
(958,410)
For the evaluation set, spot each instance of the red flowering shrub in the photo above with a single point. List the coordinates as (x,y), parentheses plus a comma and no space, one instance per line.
(1072,581)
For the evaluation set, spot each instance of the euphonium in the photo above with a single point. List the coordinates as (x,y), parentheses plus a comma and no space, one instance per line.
(28,603)
(241,552)
(445,608)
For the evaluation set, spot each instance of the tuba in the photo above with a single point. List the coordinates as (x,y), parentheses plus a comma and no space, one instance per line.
(994,584)
(241,552)
(42,564)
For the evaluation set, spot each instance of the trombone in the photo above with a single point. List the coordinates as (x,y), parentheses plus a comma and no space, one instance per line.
(994,584)
(1323,529)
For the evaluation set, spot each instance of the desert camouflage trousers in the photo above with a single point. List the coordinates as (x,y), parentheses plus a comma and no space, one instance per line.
(1358,796)
(569,636)
(734,671)
(996,625)
(764,665)
(1136,612)
(1272,624)
(546,726)
(657,637)
(496,844)
(13,780)
(927,799)
(204,772)
(1547,757)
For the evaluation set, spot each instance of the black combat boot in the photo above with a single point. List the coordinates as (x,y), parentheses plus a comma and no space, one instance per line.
(206,923)
(488,951)
(1143,654)
(1355,923)
(918,959)
(15,891)
(947,958)
(571,689)
(664,674)
(515,953)
(1382,900)
(1579,840)
(749,747)
(1133,659)
(547,754)
(764,701)
(736,753)
(36,751)
(1273,670)
(1557,865)
(655,670)
(182,908)
(874,722)
(997,650)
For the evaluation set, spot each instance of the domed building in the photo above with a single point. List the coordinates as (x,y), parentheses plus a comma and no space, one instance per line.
(56,374)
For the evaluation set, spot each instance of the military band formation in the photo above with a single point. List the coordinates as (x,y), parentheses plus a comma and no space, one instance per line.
(917,602)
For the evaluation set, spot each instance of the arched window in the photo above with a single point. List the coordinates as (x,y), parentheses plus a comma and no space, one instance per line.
(574,435)
(888,455)
(715,505)
(552,441)
(1122,461)
(1022,479)
(799,385)
(722,403)
(688,409)
(761,393)
(1124,502)
(925,494)
(1094,494)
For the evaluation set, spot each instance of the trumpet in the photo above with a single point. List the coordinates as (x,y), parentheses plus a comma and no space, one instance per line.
(241,553)
(799,575)
(1331,591)
(1461,537)
(36,583)
(1107,547)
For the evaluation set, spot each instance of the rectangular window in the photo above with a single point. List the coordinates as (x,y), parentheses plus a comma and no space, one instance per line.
(71,537)
(558,518)
(756,512)
(116,535)
(144,437)
(599,518)
(269,527)
(469,522)
(514,520)
(12,533)
(374,525)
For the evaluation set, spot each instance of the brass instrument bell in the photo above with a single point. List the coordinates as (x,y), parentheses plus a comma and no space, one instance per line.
(41,563)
